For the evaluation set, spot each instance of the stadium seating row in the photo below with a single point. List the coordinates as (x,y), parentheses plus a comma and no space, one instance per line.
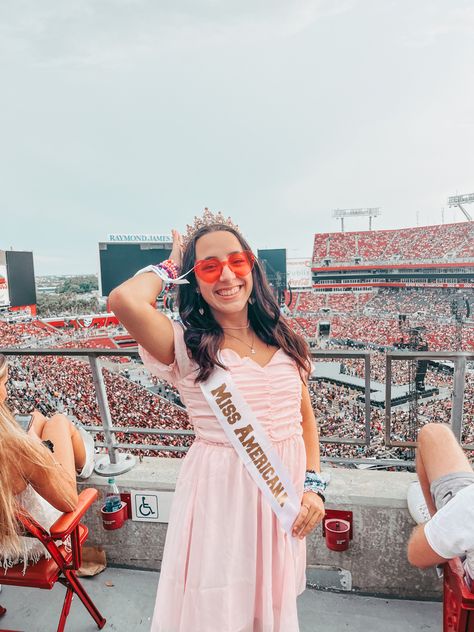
(447,242)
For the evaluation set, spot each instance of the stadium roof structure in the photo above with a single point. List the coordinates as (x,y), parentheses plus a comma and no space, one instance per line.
(460,200)
(345,213)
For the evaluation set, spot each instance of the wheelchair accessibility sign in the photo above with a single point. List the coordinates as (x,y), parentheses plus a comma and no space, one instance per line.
(150,506)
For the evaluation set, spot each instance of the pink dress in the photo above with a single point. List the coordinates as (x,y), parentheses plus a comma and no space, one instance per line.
(228,566)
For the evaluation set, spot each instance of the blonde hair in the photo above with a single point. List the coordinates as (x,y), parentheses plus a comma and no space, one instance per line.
(16,448)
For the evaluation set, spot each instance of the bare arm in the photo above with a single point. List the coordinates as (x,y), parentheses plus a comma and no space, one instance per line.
(312,506)
(133,302)
(310,431)
(52,482)
(420,552)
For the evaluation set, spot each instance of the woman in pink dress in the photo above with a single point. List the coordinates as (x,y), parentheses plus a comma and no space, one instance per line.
(228,565)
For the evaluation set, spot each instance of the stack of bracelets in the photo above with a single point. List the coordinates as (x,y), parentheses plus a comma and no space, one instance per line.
(315,482)
(170,268)
(167,271)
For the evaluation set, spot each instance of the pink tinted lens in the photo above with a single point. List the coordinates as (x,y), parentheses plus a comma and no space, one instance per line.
(210,270)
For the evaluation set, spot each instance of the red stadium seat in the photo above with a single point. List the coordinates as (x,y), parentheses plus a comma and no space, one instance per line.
(458,600)
(64,561)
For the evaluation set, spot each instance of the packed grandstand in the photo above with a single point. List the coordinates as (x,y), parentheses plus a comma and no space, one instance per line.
(371,290)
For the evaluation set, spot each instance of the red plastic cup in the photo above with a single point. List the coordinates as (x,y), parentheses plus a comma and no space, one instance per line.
(337,534)
(112,520)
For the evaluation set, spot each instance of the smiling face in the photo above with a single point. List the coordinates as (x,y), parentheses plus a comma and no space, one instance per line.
(228,295)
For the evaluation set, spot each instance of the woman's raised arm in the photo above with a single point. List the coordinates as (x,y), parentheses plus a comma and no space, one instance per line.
(133,302)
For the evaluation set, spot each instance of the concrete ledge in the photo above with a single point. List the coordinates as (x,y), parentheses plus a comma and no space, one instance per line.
(375,562)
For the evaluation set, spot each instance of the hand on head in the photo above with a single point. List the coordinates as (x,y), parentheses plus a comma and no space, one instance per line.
(177,250)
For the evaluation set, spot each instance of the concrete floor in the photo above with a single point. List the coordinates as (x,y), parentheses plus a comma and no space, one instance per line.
(126,599)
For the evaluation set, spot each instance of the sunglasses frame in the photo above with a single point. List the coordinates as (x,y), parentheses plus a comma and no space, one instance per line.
(248,253)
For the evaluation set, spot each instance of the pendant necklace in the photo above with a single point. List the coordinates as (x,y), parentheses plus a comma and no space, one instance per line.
(251,347)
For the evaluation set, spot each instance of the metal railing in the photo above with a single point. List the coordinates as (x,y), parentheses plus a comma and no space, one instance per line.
(459,360)
(351,355)
(116,462)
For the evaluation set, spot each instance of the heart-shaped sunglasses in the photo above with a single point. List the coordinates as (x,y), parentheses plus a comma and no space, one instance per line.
(210,270)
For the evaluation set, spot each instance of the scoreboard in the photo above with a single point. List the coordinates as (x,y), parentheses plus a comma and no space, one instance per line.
(17,279)
(120,259)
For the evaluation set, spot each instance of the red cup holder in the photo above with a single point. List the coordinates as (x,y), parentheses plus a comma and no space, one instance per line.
(337,534)
(114,519)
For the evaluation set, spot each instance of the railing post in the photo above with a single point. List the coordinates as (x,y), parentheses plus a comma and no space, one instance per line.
(368,435)
(388,398)
(458,395)
(114,462)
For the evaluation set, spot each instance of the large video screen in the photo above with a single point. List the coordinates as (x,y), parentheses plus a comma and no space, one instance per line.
(21,278)
(274,263)
(119,262)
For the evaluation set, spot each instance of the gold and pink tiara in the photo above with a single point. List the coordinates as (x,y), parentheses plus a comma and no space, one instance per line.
(208,218)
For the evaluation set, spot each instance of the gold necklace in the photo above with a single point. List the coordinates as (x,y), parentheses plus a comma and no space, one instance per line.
(251,347)
(244,327)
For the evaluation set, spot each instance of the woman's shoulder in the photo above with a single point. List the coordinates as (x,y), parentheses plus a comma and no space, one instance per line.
(182,364)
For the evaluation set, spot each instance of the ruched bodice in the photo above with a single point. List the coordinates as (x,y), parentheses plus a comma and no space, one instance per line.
(273,392)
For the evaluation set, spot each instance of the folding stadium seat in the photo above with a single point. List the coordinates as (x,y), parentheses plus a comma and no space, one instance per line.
(458,600)
(64,560)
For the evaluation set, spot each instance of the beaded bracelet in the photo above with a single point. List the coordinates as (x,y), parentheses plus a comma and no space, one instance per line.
(315,482)
(167,270)
(170,267)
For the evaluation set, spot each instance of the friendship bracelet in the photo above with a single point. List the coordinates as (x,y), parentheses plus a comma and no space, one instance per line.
(167,271)
(316,477)
(170,267)
(316,482)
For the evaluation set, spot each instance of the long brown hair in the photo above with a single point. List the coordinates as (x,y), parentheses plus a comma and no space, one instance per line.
(16,448)
(203,335)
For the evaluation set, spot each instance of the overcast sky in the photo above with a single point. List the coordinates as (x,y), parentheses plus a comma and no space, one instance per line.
(132,115)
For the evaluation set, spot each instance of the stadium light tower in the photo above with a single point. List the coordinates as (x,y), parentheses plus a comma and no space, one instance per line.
(343,213)
(459,200)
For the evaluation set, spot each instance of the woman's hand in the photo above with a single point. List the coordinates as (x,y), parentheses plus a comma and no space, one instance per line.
(177,250)
(311,513)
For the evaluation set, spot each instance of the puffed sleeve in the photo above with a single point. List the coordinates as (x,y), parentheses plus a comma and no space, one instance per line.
(182,364)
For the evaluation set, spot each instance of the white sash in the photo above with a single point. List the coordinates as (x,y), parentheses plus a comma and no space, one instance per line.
(245,433)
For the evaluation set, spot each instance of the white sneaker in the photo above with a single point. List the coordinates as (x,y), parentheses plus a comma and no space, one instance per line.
(89,446)
(416,503)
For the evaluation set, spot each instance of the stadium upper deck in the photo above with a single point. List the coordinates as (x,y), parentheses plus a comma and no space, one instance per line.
(446,242)
(439,254)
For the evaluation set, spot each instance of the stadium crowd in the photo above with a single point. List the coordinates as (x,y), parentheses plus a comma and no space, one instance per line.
(366,318)
(51,383)
(443,241)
